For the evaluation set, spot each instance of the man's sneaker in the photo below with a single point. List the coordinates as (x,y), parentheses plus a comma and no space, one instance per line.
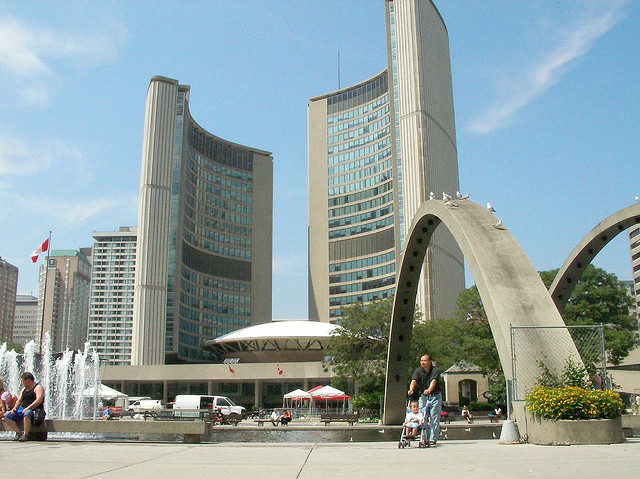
(17,438)
(23,437)
(432,443)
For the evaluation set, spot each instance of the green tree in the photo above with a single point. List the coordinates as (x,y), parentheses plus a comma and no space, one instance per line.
(17,347)
(598,298)
(357,349)
(464,337)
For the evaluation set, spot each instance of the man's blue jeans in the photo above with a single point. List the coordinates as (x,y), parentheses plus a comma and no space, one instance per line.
(432,405)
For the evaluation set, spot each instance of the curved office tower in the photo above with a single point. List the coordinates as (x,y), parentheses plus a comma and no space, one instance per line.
(376,150)
(203,265)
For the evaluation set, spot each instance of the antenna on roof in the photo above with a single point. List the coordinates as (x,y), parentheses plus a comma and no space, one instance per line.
(338,69)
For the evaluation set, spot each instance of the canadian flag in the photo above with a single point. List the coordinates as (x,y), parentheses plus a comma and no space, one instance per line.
(231,370)
(40,249)
(280,371)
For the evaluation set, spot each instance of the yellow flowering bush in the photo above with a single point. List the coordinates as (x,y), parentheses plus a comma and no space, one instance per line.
(573,402)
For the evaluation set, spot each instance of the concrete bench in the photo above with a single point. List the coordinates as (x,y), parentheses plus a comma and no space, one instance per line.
(192,431)
(329,418)
(260,422)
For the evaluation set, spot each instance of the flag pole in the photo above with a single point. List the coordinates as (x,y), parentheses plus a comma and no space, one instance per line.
(44,293)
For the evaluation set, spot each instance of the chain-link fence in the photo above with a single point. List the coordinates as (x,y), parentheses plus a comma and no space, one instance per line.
(526,359)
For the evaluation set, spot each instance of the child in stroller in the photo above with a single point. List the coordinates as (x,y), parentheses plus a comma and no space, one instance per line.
(413,423)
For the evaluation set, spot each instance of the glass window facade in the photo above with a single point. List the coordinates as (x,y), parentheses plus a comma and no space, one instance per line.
(360,195)
(216,241)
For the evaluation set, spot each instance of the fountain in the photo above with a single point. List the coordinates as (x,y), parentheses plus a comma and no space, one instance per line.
(66,377)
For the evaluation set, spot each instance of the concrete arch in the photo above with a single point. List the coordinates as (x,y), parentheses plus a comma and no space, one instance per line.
(582,255)
(509,286)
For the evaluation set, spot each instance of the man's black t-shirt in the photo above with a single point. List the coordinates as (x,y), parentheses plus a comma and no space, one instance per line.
(423,380)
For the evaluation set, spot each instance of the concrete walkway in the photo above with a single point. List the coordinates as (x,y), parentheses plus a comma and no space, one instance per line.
(450,459)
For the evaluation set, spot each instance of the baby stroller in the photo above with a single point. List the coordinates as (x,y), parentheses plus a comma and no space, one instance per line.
(421,435)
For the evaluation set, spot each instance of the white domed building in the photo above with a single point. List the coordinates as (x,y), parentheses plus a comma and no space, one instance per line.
(258,365)
(282,341)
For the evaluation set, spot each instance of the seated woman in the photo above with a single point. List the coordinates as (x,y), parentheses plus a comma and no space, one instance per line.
(285,419)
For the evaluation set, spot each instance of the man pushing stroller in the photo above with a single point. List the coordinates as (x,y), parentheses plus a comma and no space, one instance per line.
(424,381)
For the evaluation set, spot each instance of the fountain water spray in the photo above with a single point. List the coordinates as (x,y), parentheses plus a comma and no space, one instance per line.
(66,378)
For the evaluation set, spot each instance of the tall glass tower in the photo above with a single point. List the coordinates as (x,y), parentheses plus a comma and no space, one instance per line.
(376,151)
(204,233)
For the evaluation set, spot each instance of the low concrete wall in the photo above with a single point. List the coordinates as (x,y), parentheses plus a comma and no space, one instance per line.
(191,430)
(566,432)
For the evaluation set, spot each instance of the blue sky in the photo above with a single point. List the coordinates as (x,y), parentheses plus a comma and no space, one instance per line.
(545,92)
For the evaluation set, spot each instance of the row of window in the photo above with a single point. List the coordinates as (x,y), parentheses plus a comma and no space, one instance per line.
(355,219)
(214,167)
(363,274)
(364,286)
(363,120)
(360,298)
(219,226)
(357,111)
(222,153)
(362,263)
(201,195)
(363,130)
(364,140)
(203,179)
(360,195)
(206,229)
(197,292)
(359,163)
(195,211)
(359,153)
(358,95)
(365,205)
(215,203)
(207,306)
(356,175)
(215,283)
(365,228)
(208,318)
(100,274)
(360,185)
(200,242)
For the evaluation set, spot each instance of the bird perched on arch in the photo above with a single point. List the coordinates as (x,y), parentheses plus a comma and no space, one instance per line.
(446,197)
(462,197)
(432,196)
(450,204)
(490,208)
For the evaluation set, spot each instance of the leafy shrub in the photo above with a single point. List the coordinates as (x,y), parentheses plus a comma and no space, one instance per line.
(366,401)
(480,406)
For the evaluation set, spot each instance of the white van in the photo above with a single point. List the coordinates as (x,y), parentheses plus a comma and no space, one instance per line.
(142,405)
(193,402)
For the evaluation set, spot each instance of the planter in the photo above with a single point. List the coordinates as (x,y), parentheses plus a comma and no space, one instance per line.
(564,432)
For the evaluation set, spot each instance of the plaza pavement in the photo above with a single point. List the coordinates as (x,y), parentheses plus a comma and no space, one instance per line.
(449,459)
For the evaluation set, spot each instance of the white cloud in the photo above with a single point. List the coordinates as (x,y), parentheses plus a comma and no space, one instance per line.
(67,212)
(575,43)
(29,53)
(17,158)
